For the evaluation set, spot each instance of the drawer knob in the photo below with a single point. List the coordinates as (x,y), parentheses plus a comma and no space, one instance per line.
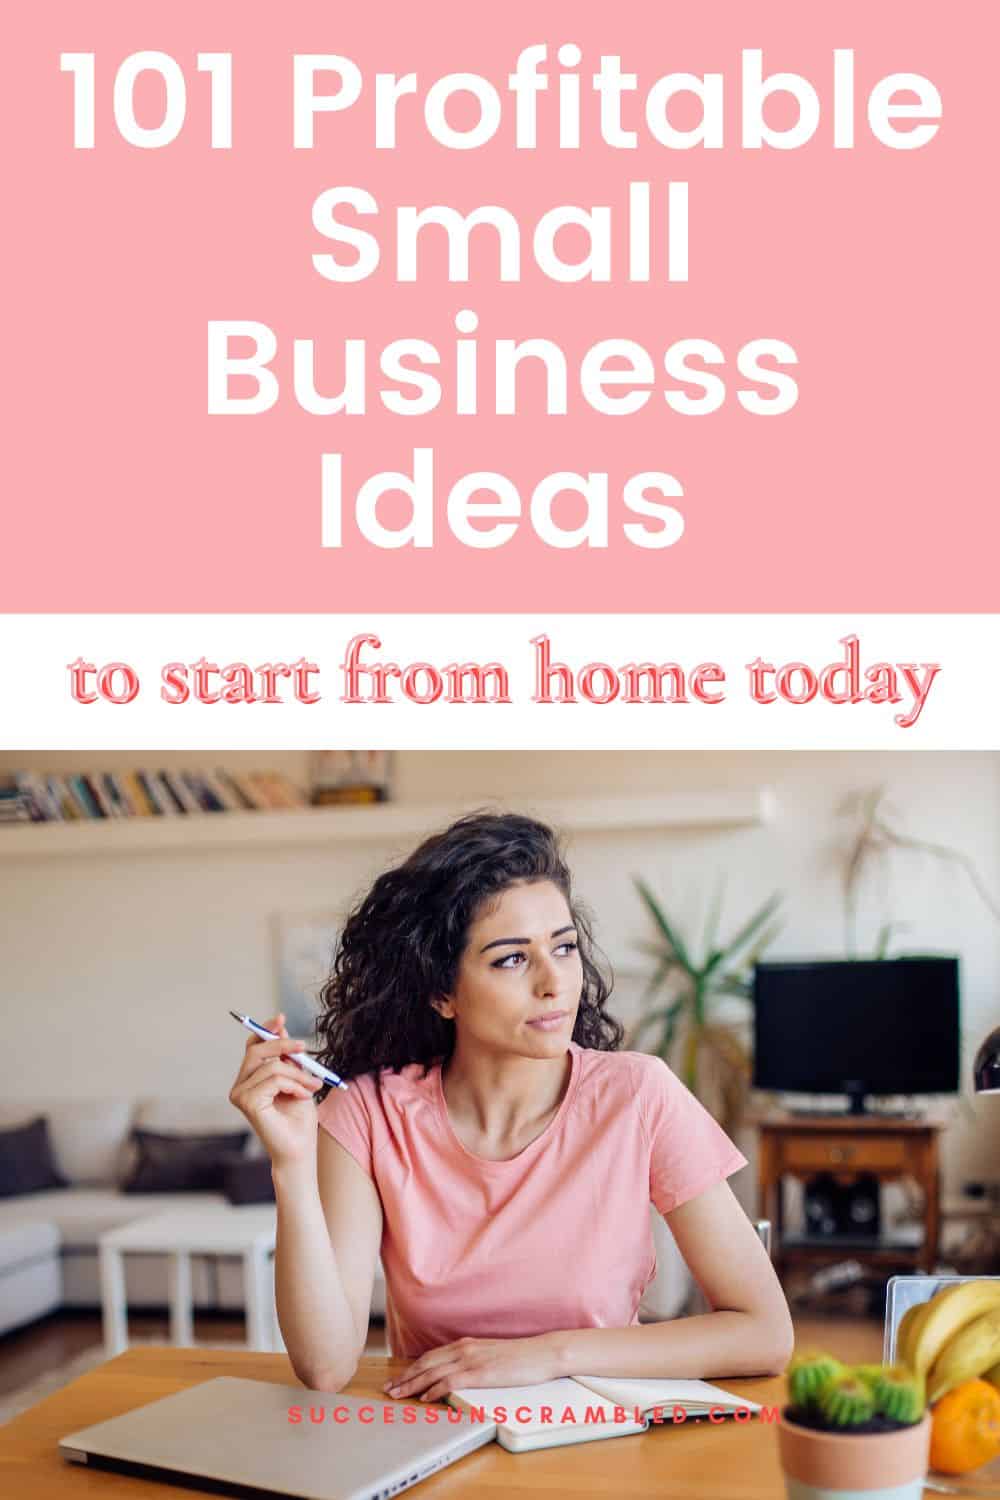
(841,1153)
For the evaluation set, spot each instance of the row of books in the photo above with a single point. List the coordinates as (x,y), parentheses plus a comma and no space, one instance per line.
(30,796)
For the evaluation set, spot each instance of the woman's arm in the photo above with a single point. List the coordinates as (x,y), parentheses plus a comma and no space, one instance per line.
(748,1333)
(328,1237)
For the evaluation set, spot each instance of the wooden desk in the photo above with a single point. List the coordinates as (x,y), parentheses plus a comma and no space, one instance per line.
(723,1462)
(802,1146)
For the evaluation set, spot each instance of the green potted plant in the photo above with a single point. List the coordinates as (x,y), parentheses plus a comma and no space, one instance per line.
(853,1430)
(707,1051)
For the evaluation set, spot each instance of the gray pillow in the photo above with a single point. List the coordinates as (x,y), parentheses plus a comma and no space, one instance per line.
(181,1163)
(26,1163)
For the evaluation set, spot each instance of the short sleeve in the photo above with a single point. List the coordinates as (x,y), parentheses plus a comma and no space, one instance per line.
(346,1114)
(689,1150)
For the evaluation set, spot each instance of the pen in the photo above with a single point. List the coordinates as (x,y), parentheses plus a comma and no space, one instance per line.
(302,1058)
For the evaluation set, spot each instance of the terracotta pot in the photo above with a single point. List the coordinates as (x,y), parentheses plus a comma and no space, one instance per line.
(836,1465)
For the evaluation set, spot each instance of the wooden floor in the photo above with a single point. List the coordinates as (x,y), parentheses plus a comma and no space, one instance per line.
(28,1354)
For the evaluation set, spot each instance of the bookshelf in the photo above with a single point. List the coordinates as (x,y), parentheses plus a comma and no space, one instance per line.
(317,827)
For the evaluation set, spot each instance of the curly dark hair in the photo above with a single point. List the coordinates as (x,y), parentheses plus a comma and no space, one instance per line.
(401,945)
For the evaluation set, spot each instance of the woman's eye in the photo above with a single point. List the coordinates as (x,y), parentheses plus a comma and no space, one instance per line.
(505,963)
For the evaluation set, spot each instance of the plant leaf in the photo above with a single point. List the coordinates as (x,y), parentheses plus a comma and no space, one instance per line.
(649,947)
(942,851)
(666,962)
(712,962)
(669,1032)
(644,1022)
(674,938)
(723,992)
(732,984)
(761,945)
(753,926)
(689,1066)
(712,920)
(663,968)
(885,937)
(662,1013)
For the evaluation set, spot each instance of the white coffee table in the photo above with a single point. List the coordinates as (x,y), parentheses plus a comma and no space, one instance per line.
(217,1229)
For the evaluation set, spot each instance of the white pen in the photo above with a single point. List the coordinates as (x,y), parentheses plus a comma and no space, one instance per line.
(302,1058)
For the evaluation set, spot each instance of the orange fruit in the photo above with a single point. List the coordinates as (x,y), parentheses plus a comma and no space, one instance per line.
(965,1427)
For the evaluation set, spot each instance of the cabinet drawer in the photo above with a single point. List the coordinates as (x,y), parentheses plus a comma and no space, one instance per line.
(842,1153)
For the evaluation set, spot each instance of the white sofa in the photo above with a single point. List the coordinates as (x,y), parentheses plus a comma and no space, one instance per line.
(48,1239)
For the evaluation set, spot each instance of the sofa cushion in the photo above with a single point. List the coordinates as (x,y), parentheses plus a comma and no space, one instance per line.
(249,1181)
(87,1135)
(90,1137)
(172,1163)
(200,1116)
(26,1164)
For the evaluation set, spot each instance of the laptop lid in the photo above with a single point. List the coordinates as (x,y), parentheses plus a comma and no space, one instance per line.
(241,1437)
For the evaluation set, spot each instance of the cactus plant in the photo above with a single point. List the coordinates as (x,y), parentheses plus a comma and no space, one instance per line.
(830,1396)
(807,1376)
(846,1402)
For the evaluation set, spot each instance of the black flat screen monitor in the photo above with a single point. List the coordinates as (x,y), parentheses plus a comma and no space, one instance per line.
(888,1026)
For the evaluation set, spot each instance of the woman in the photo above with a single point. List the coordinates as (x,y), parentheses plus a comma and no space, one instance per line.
(495,1147)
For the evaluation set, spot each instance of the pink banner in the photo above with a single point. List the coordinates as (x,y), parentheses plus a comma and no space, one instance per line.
(767,386)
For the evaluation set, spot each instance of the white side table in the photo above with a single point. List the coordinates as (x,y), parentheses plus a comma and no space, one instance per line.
(217,1229)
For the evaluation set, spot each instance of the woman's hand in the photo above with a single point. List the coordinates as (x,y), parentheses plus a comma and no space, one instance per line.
(277,1096)
(476,1362)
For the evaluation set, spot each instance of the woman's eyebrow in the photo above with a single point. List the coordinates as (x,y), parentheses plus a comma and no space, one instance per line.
(500,942)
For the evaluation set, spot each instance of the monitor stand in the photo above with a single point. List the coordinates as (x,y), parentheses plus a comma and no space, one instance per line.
(854,1108)
(855,1092)
(826,1112)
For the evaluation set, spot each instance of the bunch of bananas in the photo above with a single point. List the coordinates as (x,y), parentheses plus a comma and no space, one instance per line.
(953,1338)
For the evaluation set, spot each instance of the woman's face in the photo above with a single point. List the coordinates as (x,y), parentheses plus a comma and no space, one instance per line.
(520,976)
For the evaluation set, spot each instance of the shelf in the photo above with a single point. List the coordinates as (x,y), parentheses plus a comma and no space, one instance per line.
(783,1123)
(902,1241)
(317,827)
(902,1255)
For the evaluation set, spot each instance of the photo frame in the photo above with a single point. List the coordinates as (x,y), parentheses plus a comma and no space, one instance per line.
(304,943)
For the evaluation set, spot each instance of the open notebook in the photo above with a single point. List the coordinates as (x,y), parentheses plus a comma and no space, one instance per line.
(588,1407)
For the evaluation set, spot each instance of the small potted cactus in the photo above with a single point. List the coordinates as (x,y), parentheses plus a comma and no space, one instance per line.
(853,1430)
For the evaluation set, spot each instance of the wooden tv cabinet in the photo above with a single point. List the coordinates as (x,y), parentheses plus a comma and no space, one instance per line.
(801,1146)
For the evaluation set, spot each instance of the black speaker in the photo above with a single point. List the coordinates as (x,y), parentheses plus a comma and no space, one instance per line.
(821,1206)
(861,1206)
(834,1208)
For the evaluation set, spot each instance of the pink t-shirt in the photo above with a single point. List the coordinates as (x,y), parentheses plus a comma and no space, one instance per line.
(557,1237)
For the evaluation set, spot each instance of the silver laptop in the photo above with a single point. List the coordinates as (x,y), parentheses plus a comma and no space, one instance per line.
(239,1437)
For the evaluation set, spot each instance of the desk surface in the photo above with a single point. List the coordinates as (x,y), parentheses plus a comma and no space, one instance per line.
(725,1462)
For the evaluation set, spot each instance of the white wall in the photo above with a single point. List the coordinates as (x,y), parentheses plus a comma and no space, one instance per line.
(116,972)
